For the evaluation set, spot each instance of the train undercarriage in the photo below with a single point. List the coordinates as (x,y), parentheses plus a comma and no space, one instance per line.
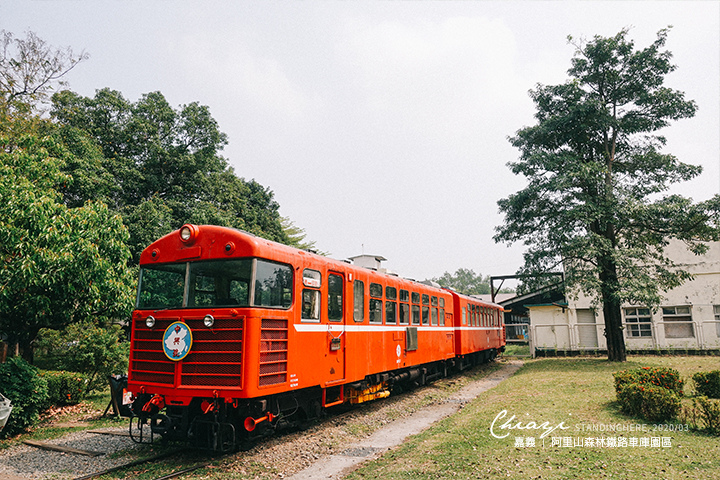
(211,424)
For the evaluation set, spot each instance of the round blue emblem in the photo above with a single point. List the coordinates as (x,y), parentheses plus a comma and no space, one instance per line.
(177,341)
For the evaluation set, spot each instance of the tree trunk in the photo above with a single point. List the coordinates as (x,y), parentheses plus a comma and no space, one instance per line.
(614,333)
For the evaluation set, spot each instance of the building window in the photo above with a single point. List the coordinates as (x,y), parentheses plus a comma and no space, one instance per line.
(678,322)
(638,322)
(717,319)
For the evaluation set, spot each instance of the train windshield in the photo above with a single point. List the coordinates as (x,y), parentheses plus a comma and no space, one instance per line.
(215,283)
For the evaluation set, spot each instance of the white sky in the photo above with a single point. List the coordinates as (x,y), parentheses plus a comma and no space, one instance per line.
(381,127)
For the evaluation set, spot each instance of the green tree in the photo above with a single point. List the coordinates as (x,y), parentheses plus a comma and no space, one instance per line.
(58,265)
(158,166)
(465,281)
(87,348)
(595,172)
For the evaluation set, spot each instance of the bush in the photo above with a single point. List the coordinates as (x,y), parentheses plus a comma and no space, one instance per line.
(667,378)
(707,383)
(65,388)
(28,392)
(704,414)
(97,352)
(648,401)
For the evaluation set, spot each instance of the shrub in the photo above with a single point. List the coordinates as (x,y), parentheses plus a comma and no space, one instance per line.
(27,391)
(649,401)
(707,383)
(97,352)
(704,414)
(65,388)
(668,378)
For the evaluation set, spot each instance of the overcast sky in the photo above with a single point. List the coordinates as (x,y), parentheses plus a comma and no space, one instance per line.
(381,127)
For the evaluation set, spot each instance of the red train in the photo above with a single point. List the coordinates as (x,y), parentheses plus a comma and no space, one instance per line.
(234,336)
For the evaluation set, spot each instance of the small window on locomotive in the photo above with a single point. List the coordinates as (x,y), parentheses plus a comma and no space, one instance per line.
(375,310)
(442,302)
(426,299)
(416,314)
(390,313)
(359,301)
(425,315)
(434,301)
(434,312)
(464,316)
(376,290)
(335,298)
(442,317)
(404,314)
(311,305)
(312,278)
(273,285)
(391,293)
(415,297)
(404,296)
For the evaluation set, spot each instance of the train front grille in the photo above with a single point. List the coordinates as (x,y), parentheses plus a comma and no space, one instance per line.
(215,358)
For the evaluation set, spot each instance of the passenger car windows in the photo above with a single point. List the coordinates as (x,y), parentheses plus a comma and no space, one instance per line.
(375,310)
(311,305)
(416,314)
(404,313)
(391,313)
(335,298)
(359,301)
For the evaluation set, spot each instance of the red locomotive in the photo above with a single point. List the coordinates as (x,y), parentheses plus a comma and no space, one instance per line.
(234,336)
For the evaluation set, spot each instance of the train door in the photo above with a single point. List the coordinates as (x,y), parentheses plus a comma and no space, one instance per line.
(336,327)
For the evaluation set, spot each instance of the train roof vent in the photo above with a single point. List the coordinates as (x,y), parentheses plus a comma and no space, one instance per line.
(368,261)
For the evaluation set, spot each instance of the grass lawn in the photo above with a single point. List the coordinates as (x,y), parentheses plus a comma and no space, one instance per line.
(577,393)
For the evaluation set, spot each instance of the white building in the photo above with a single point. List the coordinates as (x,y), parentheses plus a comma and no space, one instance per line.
(687,319)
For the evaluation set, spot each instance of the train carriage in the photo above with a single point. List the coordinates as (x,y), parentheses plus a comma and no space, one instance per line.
(234,336)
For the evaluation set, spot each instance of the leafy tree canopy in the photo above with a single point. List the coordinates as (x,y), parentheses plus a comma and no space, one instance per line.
(464,281)
(58,265)
(596,174)
(160,167)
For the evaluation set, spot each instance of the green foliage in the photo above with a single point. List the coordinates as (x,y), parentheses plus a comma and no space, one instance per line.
(158,166)
(59,265)
(465,281)
(707,383)
(703,414)
(595,172)
(709,412)
(648,401)
(28,392)
(65,388)
(93,351)
(663,377)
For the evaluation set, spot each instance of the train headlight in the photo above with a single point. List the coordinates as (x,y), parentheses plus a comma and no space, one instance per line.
(188,234)
(150,321)
(209,320)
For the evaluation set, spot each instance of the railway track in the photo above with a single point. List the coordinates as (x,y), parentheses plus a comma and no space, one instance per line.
(285,453)
(143,461)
